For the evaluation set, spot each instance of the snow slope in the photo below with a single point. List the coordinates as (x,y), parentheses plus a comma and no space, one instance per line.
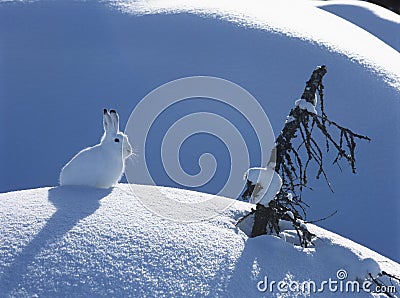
(81,242)
(375,19)
(62,62)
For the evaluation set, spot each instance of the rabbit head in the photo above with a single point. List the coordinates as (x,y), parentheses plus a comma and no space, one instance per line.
(112,137)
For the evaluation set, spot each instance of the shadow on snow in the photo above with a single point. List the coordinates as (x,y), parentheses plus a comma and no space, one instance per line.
(73,203)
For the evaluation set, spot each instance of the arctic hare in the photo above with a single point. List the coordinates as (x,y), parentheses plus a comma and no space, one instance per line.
(102,165)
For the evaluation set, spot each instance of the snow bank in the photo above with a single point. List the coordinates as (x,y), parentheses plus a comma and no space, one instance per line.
(75,241)
(288,17)
(64,61)
(375,19)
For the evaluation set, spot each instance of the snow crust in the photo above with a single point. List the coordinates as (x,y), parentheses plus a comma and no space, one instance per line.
(76,241)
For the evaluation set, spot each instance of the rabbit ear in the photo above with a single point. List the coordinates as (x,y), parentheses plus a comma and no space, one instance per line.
(107,122)
(115,120)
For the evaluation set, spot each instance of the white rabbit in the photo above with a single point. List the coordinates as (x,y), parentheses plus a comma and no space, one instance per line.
(102,165)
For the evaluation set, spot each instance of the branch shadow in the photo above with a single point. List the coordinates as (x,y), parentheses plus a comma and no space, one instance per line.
(73,204)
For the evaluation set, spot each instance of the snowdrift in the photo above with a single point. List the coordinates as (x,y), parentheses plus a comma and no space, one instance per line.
(375,19)
(81,242)
(64,61)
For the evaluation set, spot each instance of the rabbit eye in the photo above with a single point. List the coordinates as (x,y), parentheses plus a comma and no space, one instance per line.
(116,140)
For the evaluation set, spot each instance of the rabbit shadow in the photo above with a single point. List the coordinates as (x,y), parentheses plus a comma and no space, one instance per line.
(73,204)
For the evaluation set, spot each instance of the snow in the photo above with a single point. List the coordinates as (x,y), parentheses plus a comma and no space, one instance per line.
(64,61)
(267,15)
(305,105)
(375,19)
(369,266)
(289,119)
(268,184)
(77,241)
(290,214)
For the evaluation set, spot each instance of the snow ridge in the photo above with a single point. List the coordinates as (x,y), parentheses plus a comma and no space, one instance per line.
(78,241)
(324,29)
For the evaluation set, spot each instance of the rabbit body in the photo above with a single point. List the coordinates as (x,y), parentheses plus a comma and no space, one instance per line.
(102,165)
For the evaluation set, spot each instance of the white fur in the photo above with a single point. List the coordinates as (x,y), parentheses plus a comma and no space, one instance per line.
(102,165)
